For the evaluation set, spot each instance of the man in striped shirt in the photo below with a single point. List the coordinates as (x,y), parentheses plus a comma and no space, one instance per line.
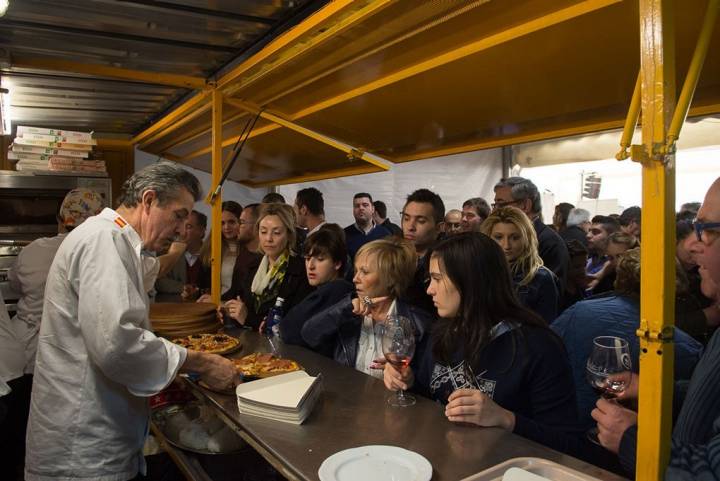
(695,451)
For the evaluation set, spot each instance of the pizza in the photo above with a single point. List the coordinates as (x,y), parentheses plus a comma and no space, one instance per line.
(264,365)
(210,343)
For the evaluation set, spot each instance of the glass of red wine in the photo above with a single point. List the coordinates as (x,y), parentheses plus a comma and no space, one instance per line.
(608,370)
(398,346)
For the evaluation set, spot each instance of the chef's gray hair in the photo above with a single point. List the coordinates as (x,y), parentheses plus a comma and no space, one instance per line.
(164,178)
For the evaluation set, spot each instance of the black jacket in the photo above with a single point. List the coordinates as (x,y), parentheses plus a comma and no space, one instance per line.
(322,298)
(336,331)
(293,290)
(553,251)
(574,232)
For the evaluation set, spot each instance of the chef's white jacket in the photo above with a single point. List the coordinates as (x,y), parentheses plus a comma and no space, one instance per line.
(28,277)
(97,360)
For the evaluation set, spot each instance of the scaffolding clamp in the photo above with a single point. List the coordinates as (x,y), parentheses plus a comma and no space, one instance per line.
(667,334)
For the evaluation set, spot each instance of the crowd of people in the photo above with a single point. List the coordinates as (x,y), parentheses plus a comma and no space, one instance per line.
(504,309)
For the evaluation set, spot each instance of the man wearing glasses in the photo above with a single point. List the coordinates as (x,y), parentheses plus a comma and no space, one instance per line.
(523,194)
(696,433)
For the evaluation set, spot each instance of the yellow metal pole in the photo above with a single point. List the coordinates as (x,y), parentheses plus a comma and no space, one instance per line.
(694,70)
(657,71)
(216,203)
(630,122)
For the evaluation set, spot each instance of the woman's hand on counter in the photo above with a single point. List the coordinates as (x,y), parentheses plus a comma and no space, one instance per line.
(475,407)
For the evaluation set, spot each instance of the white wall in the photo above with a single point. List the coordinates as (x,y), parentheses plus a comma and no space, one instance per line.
(455,178)
(231,190)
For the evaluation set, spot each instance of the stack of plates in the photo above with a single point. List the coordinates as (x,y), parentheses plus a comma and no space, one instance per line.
(180,319)
(288,397)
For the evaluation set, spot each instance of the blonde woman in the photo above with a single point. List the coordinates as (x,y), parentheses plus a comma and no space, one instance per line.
(279,273)
(349,331)
(535,284)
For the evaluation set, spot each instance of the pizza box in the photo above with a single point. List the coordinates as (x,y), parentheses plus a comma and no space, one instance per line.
(30,149)
(22,130)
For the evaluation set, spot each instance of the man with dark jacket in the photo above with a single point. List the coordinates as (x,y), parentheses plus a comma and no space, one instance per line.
(381,218)
(523,194)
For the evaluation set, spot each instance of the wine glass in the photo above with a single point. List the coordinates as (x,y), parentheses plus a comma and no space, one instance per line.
(608,370)
(398,346)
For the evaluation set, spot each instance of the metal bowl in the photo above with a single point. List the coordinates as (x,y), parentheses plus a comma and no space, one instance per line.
(195,427)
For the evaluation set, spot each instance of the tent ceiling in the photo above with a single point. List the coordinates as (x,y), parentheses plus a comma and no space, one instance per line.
(45,40)
(415,81)
(412,80)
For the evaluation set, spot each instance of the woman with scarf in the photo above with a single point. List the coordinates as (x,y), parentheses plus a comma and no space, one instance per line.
(536,285)
(279,273)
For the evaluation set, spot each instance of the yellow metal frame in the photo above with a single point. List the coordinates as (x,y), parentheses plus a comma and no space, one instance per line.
(696,64)
(531,26)
(630,122)
(657,73)
(216,201)
(279,119)
(159,78)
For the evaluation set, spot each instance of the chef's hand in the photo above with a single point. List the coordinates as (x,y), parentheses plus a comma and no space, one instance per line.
(215,371)
(475,407)
(612,422)
(237,309)
(398,379)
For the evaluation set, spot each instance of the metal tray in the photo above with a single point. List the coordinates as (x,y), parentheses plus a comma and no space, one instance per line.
(195,427)
(537,466)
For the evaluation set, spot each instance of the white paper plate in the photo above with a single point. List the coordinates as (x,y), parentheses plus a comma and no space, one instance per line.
(379,463)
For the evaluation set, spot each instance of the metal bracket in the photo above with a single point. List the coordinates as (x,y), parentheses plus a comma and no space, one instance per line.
(355,154)
(666,335)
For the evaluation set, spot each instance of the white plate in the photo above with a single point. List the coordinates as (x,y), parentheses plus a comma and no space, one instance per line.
(379,463)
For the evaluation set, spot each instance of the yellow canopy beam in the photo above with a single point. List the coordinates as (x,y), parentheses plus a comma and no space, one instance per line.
(696,64)
(216,202)
(158,78)
(278,119)
(173,116)
(657,299)
(630,122)
(314,21)
(534,25)
(176,125)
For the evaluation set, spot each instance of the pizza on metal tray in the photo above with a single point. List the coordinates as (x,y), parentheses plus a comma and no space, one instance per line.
(264,365)
(210,343)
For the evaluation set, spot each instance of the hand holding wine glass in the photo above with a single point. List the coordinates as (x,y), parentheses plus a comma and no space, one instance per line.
(398,345)
(608,369)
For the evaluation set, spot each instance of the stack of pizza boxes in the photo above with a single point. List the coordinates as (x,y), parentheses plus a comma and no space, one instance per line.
(41,149)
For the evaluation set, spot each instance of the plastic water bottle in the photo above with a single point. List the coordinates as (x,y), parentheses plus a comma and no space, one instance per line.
(274,316)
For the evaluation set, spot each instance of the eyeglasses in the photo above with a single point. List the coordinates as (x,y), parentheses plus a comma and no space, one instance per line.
(701,227)
(499,205)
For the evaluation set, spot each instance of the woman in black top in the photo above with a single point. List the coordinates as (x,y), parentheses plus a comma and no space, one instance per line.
(279,273)
(536,285)
(491,360)
(325,261)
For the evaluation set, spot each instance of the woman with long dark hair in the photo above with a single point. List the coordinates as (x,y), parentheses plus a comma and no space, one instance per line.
(492,361)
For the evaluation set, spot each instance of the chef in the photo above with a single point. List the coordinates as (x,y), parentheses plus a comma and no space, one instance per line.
(97,361)
(18,335)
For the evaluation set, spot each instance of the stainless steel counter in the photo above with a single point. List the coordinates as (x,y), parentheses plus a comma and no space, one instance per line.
(353,412)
